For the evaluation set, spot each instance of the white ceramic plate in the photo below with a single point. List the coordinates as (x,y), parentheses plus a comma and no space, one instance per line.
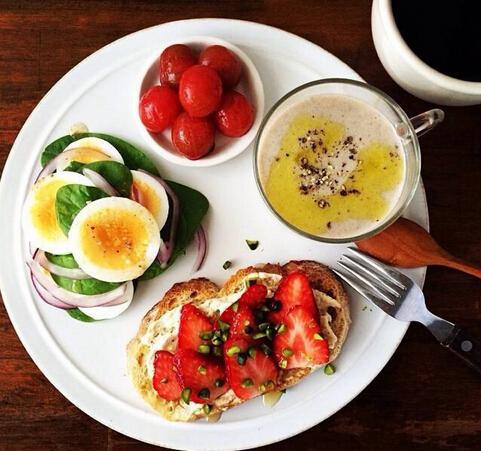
(86,362)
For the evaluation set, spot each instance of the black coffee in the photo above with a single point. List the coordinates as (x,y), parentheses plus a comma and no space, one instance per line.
(445,34)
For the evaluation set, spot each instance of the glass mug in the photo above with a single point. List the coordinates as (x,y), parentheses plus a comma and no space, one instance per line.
(408,130)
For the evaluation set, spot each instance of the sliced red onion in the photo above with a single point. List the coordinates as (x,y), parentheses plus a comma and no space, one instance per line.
(201,240)
(136,194)
(46,296)
(52,165)
(72,273)
(126,297)
(165,255)
(100,182)
(73,299)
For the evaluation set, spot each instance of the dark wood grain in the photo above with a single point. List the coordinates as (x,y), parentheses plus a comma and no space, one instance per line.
(424,399)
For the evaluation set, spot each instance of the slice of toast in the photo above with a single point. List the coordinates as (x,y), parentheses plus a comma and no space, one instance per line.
(331,299)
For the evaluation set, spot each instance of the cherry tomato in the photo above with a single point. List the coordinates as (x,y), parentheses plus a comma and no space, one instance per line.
(235,115)
(200,90)
(193,136)
(174,60)
(225,62)
(158,108)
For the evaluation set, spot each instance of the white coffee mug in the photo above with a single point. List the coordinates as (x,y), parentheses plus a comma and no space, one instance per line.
(409,71)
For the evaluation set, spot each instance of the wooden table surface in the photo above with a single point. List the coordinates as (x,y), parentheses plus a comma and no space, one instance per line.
(424,398)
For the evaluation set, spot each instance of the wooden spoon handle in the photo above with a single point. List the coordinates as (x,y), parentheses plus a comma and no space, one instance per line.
(461,265)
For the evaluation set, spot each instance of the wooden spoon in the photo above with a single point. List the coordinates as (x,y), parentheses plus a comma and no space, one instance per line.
(408,245)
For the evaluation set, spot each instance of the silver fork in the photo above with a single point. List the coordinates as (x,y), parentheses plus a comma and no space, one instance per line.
(398,296)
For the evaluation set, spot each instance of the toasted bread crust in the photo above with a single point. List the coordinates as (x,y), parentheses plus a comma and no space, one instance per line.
(198,290)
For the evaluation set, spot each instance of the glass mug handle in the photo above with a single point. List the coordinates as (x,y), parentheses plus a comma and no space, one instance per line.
(422,123)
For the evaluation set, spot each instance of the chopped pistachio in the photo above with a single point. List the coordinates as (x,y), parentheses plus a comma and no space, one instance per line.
(219,382)
(227,264)
(206,335)
(204,349)
(252,352)
(204,393)
(281,328)
(258,335)
(253,244)
(206,408)
(216,341)
(202,370)
(233,350)
(287,352)
(266,349)
(247,382)
(263,326)
(329,369)
(241,358)
(223,326)
(185,395)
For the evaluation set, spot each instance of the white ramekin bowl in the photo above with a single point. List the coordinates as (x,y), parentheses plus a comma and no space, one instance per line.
(225,148)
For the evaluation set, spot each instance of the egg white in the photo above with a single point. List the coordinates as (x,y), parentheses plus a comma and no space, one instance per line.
(154,196)
(119,222)
(98,144)
(39,212)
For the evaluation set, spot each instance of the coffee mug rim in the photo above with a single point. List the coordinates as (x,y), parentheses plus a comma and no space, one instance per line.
(464,86)
(394,215)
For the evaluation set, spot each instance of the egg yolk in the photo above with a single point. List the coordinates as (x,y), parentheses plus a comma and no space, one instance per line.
(115,239)
(149,199)
(88,155)
(43,209)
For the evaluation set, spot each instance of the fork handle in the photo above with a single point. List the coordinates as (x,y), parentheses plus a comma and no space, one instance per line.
(465,347)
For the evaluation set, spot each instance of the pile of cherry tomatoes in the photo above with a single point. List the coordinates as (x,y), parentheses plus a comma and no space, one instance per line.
(195,97)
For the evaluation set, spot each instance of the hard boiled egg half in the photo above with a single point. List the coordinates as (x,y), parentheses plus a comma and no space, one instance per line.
(114,239)
(151,194)
(39,218)
(88,150)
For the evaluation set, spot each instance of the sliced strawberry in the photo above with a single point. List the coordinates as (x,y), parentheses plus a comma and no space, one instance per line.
(194,325)
(253,296)
(293,290)
(249,371)
(165,379)
(299,343)
(227,315)
(203,375)
(244,322)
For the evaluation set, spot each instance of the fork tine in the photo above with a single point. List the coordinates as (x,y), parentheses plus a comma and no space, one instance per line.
(378,266)
(366,282)
(352,282)
(372,274)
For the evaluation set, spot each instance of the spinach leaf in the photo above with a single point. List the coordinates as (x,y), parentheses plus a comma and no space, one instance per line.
(56,147)
(152,271)
(117,174)
(194,206)
(80,316)
(84,286)
(133,157)
(66,261)
(74,166)
(71,199)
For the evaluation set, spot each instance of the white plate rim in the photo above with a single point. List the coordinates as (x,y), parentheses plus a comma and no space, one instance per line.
(10,291)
